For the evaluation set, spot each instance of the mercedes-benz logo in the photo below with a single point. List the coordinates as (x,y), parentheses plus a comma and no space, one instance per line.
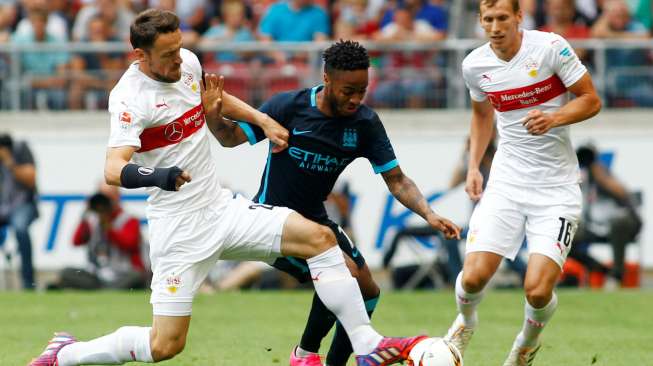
(174,131)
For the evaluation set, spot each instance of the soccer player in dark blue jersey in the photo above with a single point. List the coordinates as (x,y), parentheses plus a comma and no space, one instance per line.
(329,128)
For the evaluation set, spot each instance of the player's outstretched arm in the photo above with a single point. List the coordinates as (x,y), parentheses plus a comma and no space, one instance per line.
(406,192)
(235,109)
(224,130)
(586,105)
(119,172)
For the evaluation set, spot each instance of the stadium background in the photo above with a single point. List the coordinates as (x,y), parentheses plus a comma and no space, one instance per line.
(68,132)
(53,95)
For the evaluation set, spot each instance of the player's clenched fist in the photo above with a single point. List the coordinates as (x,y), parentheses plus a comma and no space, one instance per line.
(277,134)
(538,122)
(182,179)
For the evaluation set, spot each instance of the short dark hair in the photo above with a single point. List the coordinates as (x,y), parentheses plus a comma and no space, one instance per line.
(346,56)
(99,203)
(6,141)
(149,24)
(491,3)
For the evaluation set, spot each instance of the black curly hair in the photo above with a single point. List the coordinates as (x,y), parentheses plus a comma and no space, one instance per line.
(346,56)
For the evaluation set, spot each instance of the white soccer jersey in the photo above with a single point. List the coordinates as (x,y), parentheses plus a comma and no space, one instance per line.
(166,122)
(537,77)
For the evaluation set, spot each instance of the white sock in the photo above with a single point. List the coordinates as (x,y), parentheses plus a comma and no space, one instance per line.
(339,291)
(534,322)
(124,345)
(467,303)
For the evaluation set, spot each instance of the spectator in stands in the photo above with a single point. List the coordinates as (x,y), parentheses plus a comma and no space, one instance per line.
(113,240)
(408,77)
(358,19)
(617,22)
(293,21)
(560,15)
(192,13)
(8,12)
(189,37)
(609,213)
(18,199)
(642,11)
(44,72)
(94,74)
(588,10)
(56,25)
(430,11)
(117,16)
(233,29)
(560,19)
(630,68)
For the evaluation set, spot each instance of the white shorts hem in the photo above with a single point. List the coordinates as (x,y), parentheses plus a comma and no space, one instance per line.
(172,308)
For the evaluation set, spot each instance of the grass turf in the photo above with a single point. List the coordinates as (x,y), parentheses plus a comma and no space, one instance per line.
(260,328)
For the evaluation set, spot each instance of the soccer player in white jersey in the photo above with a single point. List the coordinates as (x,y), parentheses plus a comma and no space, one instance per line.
(524,77)
(162,114)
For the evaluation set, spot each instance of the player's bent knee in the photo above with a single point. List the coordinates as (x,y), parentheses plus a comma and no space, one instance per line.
(474,282)
(323,240)
(167,349)
(538,296)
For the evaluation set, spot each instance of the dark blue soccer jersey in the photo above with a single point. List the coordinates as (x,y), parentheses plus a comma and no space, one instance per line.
(319,149)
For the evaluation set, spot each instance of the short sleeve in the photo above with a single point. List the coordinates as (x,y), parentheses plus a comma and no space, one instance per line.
(471,81)
(565,63)
(254,133)
(377,147)
(277,108)
(127,122)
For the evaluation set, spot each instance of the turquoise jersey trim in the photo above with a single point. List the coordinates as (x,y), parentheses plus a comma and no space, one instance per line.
(370,304)
(261,198)
(314,95)
(248,132)
(385,167)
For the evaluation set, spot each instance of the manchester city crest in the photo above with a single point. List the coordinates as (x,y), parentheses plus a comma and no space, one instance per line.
(350,138)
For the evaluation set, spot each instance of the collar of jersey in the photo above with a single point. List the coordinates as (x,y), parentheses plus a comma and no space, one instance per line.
(314,91)
(521,48)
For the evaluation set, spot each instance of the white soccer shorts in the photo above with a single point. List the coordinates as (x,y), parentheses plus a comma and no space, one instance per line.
(546,216)
(184,248)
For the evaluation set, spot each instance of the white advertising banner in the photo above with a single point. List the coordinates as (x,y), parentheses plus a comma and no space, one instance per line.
(69,149)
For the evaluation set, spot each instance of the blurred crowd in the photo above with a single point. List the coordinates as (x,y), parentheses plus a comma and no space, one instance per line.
(414,79)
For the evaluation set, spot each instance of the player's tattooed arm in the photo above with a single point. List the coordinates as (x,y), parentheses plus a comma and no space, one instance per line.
(227,132)
(224,130)
(405,191)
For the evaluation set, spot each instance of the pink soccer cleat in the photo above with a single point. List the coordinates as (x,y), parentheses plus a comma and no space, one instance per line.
(49,355)
(389,351)
(311,360)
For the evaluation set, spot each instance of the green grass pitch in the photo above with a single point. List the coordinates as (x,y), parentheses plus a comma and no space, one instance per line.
(260,328)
